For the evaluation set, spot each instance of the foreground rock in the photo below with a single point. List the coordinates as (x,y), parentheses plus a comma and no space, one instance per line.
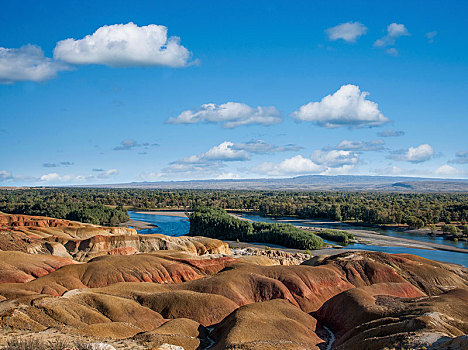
(154,291)
(376,299)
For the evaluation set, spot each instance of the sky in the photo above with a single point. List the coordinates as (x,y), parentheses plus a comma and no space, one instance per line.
(179,90)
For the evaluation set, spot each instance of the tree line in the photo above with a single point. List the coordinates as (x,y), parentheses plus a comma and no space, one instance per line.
(217,223)
(413,209)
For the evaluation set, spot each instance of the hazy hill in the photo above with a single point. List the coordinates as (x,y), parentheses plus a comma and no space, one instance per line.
(314,183)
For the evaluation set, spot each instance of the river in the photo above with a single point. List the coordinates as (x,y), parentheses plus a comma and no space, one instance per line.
(178,226)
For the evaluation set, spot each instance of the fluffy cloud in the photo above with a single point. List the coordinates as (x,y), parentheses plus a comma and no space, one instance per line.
(5,175)
(390,133)
(394,31)
(70,178)
(291,166)
(346,107)
(212,162)
(230,115)
(125,45)
(448,170)
(418,154)
(361,146)
(320,162)
(261,147)
(349,31)
(222,152)
(334,158)
(460,158)
(108,173)
(53,177)
(27,63)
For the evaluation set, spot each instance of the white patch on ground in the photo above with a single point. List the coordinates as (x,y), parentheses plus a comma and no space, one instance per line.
(72,292)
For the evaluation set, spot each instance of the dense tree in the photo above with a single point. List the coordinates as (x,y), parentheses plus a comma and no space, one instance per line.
(217,223)
(413,209)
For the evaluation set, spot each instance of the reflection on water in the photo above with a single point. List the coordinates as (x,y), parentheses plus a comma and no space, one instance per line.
(176,226)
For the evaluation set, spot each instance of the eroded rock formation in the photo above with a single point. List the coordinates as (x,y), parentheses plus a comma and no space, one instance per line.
(176,292)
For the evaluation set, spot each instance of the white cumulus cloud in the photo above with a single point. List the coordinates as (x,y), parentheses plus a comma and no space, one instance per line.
(27,63)
(230,115)
(334,158)
(349,31)
(394,31)
(417,154)
(108,173)
(125,45)
(448,170)
(290,166)
(346,107)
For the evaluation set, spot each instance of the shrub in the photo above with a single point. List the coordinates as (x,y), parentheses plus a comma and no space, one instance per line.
(336,235)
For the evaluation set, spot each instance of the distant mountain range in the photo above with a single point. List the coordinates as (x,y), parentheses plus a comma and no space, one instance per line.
(312,183)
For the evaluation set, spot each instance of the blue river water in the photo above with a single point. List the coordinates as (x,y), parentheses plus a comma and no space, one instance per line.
(177,226)
(344,226)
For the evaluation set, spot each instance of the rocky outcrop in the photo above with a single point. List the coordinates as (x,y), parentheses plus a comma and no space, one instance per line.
(274,324)
(190,292)
(19,267)
(83,242)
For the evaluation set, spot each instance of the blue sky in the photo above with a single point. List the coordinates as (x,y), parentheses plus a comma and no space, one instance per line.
(97,94)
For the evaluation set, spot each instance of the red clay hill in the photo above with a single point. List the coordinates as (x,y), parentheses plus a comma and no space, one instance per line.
(66,279)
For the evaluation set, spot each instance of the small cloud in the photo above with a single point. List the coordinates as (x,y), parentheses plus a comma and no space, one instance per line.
(334,158)
(223,152)
(125,45)
(55,165)
(27,63)
(50,177)
(229,115)
(392,51)
(390,133)
(126,145)
(261,147)
(5,175)
(418,154)
(227,176)
(349,31)
(394,31)
(430,36)
(107,174)
(449,171)
(460,158)
(361,146)
(346,107)
(130,144)
(291,166)
(390,170)
(66,163)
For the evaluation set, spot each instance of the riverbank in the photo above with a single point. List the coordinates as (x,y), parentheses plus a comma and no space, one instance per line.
(138,225)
